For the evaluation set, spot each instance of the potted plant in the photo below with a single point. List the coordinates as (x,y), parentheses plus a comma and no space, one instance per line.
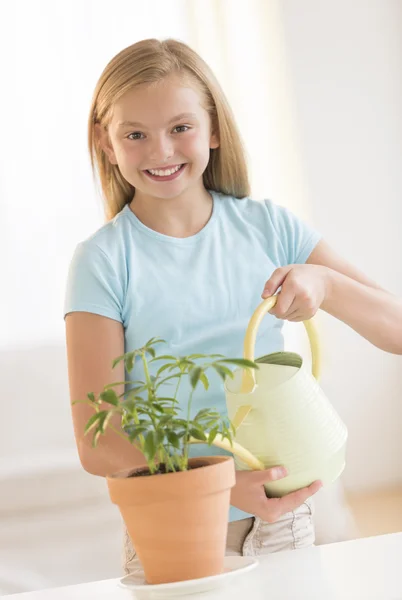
(175,507)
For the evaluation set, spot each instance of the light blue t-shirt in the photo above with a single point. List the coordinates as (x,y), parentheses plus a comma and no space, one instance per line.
(197,293)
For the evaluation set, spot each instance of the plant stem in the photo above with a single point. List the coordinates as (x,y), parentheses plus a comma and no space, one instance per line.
(122,435)
(146,370)
(168,461)
(177,386)
(185,449)
(175,397)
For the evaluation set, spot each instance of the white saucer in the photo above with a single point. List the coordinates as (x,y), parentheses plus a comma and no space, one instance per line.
(234,566)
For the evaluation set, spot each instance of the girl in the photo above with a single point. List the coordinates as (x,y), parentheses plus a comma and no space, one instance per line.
(186,256)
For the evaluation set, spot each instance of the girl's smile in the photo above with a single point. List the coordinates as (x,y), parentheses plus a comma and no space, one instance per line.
(165,174)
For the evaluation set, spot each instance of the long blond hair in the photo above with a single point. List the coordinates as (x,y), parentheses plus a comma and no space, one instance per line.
(149,61)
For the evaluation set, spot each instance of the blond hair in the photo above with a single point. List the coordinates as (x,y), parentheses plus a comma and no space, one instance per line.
(149,61)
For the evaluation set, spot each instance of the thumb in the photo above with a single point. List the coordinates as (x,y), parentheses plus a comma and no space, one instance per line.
(270,474)
(275,281)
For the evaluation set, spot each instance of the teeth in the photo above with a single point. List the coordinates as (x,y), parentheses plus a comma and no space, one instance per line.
(164,173)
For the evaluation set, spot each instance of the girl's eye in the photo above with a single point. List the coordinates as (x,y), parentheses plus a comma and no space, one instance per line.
(181,128)
(136,135)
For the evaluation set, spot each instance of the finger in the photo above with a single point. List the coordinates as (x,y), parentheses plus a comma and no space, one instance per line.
(286,298)
(293,500)
(297,319)
(272,474)
(300,315)
(275,281)
(294,307)
(295,316)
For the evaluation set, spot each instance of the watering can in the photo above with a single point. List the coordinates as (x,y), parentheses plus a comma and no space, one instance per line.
(282,417)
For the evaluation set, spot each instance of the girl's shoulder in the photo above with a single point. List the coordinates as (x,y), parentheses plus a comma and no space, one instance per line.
(285,234)
(110,232)
(110,242)
(262,213)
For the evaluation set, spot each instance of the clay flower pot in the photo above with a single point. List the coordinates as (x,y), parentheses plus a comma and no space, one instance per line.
(177,521)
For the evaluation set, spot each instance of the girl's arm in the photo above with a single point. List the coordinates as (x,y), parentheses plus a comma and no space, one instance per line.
(93,342)
(359,302)
(329,282)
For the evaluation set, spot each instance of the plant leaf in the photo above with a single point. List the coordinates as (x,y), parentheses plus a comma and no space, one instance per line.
(204,380)
(208,423)
(159,437)
(153,341)
(223,372)
(167,379)
(110,397)
(181,433)
(129,405)
(94,420)
(135,391)
(95,438)
(202,413)
(150,446)
(198,433)
(168,399)
(185,361)
(195,375)
(195,356)
(164,367)
(212,435)
(103,423)
(241,362)
(91,397)
(134,431)
(151,351)
(129,361)
(165,419)
(116,383)
(87,402)
(163,357)
(117,360)
(173,439)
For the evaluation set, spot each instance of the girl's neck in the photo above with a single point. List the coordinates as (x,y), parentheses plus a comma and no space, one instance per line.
(180,217)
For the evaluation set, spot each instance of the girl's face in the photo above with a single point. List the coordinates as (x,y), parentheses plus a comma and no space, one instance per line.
(160,137)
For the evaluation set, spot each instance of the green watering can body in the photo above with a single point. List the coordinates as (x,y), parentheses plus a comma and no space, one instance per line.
(282,416)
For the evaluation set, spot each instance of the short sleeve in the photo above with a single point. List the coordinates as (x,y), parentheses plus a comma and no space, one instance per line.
(296,238)
(92,284)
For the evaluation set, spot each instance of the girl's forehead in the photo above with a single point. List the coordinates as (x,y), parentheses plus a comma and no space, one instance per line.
(162,100)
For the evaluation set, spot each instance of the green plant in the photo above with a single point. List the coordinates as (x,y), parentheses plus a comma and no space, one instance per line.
(155,422)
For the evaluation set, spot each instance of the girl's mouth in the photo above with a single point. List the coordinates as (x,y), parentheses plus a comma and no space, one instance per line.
(165,174)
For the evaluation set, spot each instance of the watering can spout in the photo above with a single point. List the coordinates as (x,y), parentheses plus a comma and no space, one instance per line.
(235,448)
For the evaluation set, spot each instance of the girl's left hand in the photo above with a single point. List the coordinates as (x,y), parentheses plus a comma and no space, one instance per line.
(304,289)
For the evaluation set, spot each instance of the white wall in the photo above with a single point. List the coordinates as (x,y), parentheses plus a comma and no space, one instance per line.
(345,62)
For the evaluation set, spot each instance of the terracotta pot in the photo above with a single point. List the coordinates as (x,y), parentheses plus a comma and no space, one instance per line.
(177,522)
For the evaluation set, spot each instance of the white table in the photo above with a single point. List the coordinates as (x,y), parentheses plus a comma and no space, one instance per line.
(365,569)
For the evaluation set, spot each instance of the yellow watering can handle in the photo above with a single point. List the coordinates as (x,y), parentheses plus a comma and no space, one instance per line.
(248,379)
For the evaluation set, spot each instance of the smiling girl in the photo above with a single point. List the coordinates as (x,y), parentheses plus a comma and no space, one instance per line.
(186,255)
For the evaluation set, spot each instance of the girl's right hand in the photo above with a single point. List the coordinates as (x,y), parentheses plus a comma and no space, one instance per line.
(249,494)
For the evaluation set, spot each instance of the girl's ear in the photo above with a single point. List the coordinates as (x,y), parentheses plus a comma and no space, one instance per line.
(102,138)
(214,142)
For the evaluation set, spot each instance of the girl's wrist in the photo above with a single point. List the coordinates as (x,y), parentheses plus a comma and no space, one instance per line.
(330,278)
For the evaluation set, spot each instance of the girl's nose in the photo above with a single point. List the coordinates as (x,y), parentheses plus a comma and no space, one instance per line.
(161,149)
